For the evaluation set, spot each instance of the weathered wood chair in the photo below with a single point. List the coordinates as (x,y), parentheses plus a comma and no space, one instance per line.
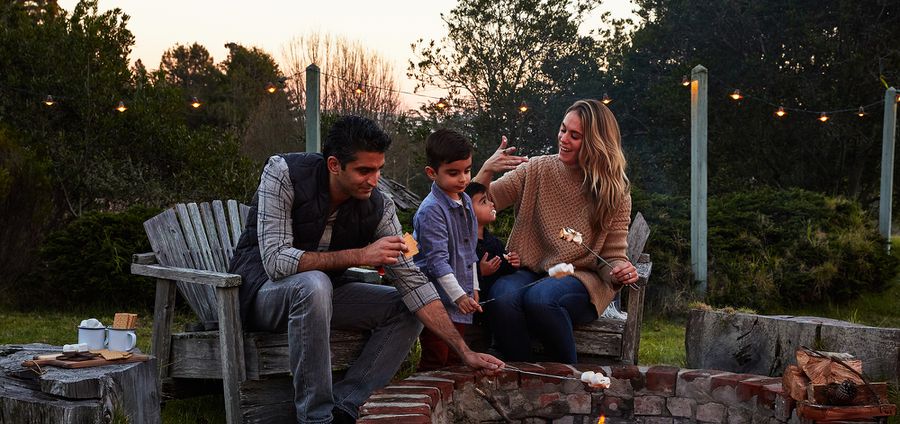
(606,340)
(192,246)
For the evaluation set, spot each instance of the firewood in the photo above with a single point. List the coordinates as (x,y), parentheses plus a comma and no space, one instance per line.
(817,393)
(824,370)
(794,382)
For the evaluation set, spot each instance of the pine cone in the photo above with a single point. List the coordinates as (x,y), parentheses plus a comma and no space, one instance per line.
(840,394)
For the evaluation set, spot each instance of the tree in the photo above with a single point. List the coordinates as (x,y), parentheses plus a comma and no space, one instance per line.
(498,54)
(806,54)
(354,79)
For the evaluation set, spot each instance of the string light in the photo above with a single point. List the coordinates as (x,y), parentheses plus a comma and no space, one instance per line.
(441,103)
(606,100)
(736,95)
(271,88)
(359,89)
(823,117)
(780,112)
(523,107)
(121,107)
(49,100)
(685,81)
(195,102)
(862,112)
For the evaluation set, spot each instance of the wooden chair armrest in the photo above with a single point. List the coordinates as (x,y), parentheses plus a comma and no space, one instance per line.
(209,278)
(144,258)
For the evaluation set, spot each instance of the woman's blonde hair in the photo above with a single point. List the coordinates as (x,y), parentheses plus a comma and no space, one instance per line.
(601,159)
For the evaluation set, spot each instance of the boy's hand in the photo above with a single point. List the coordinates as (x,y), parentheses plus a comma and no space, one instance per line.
(513,259)
(489,266)
(384,251)
(467,305)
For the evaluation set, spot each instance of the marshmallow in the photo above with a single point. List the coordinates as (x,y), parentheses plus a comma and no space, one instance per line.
(586,376)
(600,381)
(91,323)
(569,234)
(76,347)
(561,270)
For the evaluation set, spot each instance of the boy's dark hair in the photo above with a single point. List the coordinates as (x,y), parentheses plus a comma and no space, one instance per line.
(445,146)
(351,134)
(475,188)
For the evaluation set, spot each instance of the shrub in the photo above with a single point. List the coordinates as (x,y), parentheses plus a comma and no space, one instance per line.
(767,247)
(87,263)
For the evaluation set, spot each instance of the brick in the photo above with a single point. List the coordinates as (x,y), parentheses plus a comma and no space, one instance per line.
(534,420)
(711,413)
(505,380)
(459,379)
(445,387)
(546,399)
(784,405)
(395,418)
(738,415)
(766,396)
(562,370)
(394,408)
(579,403)
(629,372)
(729,380)
(681,407)
(433,392)
(620,387)
(753,387)
(661,380)
(653,420)
(565,420)
(649,405)
(401,397)
(614,407)
(695,384)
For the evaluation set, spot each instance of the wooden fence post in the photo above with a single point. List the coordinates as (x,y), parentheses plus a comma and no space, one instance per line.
(699,119)
(313,114)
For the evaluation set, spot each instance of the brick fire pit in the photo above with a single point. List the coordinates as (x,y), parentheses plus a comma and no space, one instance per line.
(658,395)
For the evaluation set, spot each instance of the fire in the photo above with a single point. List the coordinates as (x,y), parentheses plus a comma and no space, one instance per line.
(602,419)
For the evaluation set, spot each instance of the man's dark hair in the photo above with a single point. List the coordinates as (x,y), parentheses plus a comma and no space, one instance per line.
(351,134)
(445,146)
(475,188)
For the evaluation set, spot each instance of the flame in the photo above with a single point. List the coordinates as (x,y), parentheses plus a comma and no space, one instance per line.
(602,419)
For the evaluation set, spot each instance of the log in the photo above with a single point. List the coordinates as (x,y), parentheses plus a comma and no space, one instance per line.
(61,395)
(794,382)
(821,370)
(816,393)
(843,413)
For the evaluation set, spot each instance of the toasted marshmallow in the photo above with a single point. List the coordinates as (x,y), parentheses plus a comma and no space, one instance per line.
(561,270)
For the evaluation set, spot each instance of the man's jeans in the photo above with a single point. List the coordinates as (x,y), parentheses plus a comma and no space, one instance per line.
(308,307)
(546,310)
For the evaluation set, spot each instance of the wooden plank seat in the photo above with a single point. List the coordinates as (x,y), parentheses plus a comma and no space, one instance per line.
(192,246)
(606,340)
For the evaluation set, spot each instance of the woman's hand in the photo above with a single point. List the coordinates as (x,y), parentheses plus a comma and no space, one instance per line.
(513,259)
(503,159)
(624,273)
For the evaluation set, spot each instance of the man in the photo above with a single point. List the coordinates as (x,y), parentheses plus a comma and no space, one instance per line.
(313,216)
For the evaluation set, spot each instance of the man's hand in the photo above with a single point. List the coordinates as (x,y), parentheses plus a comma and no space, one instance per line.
(489,266)
(513,259)
(384,251)
(467,305)
(483,363)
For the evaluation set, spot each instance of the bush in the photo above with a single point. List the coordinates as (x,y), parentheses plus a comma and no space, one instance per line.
(767,248)
(87,263)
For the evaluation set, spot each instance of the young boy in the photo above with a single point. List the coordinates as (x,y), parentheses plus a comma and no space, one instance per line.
(446,230)
(494,261)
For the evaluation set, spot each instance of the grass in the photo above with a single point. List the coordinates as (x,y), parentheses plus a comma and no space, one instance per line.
(662,342)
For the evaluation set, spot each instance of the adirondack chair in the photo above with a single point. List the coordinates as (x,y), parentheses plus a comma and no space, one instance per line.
(192,246)
(606,340)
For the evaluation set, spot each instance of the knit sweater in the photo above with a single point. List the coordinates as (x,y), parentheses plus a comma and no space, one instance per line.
(547,197)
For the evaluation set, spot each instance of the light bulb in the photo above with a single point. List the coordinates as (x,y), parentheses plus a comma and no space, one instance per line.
(736,95)
(271,88)
(780,112)
(195,102)
(823,117)
(606,99)
(121,107)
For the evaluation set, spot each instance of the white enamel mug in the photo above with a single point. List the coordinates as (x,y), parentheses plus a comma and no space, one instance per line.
(121,339)
(94,337)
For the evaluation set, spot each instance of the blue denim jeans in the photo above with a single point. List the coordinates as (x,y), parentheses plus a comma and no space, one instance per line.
(307,305)
(546,311)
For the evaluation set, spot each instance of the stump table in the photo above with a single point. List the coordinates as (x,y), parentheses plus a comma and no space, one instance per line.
(83,395)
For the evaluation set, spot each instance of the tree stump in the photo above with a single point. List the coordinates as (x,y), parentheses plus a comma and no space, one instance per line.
(86,395)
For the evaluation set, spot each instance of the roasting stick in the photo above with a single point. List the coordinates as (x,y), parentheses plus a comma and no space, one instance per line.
(539,374)
(569,230)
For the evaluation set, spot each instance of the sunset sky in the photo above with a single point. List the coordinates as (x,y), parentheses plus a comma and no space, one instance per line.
(388,27)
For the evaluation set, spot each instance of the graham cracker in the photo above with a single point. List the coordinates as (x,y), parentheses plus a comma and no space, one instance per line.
(412,244)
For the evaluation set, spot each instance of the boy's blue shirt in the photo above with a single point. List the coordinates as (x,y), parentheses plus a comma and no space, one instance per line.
(447,233)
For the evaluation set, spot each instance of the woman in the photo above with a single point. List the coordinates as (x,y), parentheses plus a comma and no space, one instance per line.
(583,187)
